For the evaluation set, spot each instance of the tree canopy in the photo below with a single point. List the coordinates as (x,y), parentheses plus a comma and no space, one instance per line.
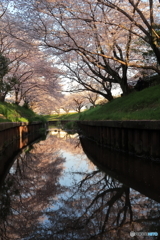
(95,44)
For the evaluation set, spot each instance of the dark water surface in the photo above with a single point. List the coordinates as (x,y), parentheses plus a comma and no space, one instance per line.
(53,191)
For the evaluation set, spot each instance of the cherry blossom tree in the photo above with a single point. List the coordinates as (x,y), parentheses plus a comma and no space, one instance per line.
(83,42)
(76,101)
(28,73)
(94,33)
(145,20)
(81,78)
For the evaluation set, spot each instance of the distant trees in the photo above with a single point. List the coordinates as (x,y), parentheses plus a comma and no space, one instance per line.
(91,97)
(38,82)
(29,77)
(78,101)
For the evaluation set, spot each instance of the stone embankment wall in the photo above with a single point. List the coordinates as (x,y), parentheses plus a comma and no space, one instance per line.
(13,131)
(140,138)
(13,137)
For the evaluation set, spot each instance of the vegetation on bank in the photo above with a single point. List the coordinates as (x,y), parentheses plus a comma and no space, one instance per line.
(14,113)
(65,116)
(142,105)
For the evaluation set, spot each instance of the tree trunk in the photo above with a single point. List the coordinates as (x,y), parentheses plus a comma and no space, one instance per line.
(2,98)
(17,101)
(157,52)
(108,96)
(125,88)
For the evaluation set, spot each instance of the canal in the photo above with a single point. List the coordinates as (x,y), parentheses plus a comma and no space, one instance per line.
(67,188)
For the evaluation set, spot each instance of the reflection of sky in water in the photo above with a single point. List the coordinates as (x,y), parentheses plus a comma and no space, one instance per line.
(75,164)
(75,168)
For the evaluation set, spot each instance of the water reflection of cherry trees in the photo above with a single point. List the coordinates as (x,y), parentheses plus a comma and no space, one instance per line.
(34,205)
(102,208)
(30,187)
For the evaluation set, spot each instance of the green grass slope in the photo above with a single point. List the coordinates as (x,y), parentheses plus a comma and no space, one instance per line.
(13,113)
(66,116)
(143,105)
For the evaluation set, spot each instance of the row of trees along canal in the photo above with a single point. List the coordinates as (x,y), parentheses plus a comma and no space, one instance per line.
(92,45)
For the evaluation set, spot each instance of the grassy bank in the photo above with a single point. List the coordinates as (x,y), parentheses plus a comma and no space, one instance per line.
(72,116)
(13,113)
(143,105)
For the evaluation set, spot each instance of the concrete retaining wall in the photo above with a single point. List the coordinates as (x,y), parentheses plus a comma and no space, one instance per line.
(12,131)
(13,137)
(141,138)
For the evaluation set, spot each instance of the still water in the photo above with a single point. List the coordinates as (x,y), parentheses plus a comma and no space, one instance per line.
(54,191)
